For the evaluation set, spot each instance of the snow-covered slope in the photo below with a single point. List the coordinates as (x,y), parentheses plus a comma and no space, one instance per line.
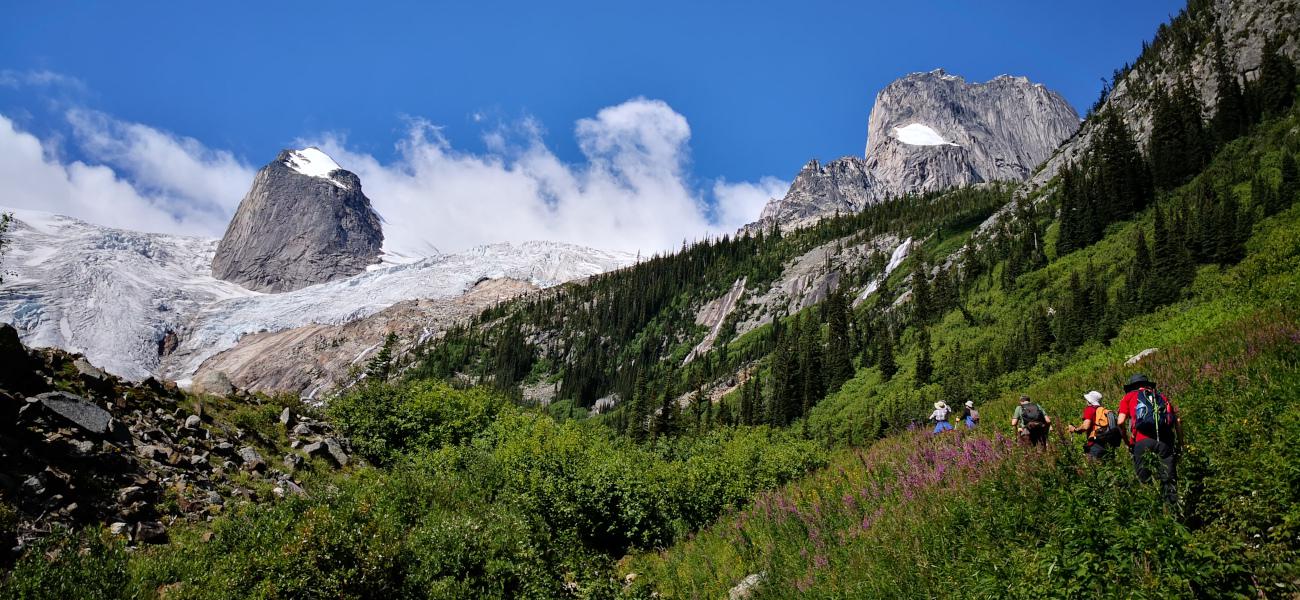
(146,304)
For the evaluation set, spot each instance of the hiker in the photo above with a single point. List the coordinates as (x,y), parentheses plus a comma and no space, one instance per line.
(1031,422)
(1099,425)
(940,417)
(1156,429)
(970,415)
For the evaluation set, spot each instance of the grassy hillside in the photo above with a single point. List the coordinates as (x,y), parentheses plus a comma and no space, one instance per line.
(972,514)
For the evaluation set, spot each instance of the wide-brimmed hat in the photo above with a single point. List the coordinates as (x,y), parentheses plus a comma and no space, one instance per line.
(1024,399)
(970,404)
(1093,398)
(1138,381)
(938,405)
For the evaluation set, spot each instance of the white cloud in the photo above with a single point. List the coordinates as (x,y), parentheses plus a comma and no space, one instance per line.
(32,179)
(631,191)
(193,181)
(738,204)
(42,78)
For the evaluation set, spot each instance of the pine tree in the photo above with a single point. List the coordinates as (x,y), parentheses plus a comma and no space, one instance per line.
(811,366)
(924,363)
(1230,117)
(839,351)
(920,290)
(381,366)
(1289,187)
(724,417)
(1277,79)
(1229,248)
(886,355)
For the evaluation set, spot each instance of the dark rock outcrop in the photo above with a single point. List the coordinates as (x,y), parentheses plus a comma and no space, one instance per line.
(304,222)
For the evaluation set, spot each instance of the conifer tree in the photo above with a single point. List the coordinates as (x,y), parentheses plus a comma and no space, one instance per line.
(886,355)
(1288,188)
(1277,79)
(920,290)
(924,363)
(839,351)
(1230,117)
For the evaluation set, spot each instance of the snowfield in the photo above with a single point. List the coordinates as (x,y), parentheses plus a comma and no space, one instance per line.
(917,134)
(115,295)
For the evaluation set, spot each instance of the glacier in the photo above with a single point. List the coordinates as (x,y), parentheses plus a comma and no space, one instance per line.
(120,296)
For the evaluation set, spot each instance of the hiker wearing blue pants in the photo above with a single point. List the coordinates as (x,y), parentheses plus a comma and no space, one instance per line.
(940,417)
(970,416)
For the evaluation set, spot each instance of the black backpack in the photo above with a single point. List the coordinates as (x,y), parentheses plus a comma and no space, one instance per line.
(1154,414)
(1033,417)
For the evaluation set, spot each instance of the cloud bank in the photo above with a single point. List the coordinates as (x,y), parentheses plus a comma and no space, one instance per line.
(631,191)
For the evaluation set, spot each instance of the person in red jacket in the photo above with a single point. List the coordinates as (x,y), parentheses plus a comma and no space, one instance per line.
(1154,433)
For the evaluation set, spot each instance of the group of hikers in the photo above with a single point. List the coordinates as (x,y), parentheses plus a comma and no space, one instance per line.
(1145,421)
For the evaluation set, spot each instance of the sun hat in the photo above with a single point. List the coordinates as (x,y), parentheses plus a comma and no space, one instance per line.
(970,404)
(940,405)
(1138,381)
(1093,398)
(1024,399)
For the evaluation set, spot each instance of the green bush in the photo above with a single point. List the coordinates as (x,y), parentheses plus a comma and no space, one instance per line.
(385,420)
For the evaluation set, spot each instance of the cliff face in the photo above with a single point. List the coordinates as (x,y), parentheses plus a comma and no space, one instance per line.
(305,221)
(1244,25)
(930,131)
(927,132)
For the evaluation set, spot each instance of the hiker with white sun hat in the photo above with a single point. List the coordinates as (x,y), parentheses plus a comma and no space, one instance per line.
(940,417)
(1099,425)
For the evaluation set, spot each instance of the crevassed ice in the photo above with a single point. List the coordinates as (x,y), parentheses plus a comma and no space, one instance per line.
(917,134)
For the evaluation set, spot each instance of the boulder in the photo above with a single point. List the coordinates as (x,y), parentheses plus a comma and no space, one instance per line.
(214,383)
(251,458)
(329,448)
(193,422)
(87,370)
(78,410)
(747,587)
(150,532)
(286,417)
(18,374)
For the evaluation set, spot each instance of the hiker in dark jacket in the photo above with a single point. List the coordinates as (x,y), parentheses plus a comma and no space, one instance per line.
(970,416)
(1031,422)
(1099,425)
(1155,431)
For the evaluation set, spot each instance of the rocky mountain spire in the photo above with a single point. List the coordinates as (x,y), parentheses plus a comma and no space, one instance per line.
(305,221)
(931,131)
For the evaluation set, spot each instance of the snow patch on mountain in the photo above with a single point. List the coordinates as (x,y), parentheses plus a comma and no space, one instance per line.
(115,295)
(917,134)
(314,163)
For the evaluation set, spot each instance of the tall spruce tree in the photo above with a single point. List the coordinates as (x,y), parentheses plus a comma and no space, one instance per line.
(839,348)
(1231,115)
(1277,79)
(888,367)
(924,362)
(1288,189)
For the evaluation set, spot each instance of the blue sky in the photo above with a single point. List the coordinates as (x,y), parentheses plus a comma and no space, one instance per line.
(762,86)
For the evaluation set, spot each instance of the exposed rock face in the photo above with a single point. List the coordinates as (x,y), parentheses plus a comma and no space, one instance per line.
(843,185)
(1245,26)
(305,221)
(312,359)
(928,132)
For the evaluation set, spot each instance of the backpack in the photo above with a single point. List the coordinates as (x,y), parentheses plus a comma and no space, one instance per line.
(1153,414)
(1104,428)
(1033,417)
(974,415)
